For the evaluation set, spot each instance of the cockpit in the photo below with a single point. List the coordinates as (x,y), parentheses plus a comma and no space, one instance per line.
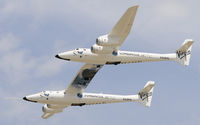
(79,51)
(45,93)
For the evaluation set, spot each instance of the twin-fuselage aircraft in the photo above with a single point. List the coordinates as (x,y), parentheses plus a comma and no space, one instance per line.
(105,51)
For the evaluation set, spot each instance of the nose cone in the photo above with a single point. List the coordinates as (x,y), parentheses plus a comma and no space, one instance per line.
(65,55)
(26,98)
(57,56)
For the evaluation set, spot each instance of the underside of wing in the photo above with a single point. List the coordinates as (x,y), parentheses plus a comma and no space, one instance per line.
(121,30)
(83,78)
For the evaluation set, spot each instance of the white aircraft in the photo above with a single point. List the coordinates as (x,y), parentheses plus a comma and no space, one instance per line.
(56,101)
(106,50)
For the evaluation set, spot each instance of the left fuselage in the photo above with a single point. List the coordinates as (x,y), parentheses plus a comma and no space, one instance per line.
(62,98)
(86,56)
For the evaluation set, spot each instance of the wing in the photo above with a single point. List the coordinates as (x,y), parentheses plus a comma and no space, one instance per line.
(50,109)
(121,30)
(83,78)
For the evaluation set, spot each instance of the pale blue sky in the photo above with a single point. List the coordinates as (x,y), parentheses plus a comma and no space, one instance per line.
(32,32)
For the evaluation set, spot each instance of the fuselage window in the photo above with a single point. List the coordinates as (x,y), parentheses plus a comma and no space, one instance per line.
(115,53)
(79,95)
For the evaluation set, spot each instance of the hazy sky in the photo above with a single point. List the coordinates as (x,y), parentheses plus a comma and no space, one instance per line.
(32,32)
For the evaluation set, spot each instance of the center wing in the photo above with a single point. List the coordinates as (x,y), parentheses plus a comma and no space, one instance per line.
(83,78)
(78,85)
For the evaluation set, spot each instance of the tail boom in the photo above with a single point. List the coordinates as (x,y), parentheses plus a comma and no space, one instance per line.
(144,97)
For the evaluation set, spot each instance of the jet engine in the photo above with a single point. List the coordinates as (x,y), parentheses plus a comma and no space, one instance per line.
(106,40)
(101,49)
(47,109)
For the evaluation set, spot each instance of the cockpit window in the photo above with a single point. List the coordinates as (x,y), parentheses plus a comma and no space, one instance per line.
(80,52)
(44,93)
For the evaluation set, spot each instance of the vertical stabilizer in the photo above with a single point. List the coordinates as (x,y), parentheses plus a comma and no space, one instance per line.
(184,52)
(145,95)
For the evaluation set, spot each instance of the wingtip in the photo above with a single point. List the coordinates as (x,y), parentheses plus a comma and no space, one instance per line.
(134,7)
(151,82)
(189,40)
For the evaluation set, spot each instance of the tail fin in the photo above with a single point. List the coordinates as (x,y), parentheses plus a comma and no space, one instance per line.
(183,53)
(145,95)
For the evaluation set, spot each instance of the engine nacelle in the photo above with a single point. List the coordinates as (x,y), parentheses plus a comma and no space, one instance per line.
(56,106)
(101,49)
(46,109)
(105,40)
